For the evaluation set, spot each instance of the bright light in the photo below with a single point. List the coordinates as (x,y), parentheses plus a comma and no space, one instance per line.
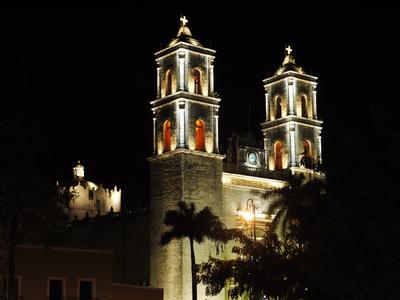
(248,216)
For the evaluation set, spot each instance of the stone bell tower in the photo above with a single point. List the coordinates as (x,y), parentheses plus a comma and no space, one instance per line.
(186,164)
(292,130)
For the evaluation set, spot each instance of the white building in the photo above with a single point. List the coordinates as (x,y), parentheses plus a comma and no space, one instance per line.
(91,199)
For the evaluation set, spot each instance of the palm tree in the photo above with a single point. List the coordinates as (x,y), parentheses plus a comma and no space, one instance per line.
(186,222)
(291,202)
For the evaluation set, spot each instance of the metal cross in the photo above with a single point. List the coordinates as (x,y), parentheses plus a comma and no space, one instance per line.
(183,21)
(288,50)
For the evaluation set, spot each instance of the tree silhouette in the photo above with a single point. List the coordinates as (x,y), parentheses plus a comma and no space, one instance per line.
(31,202)
(290,203)
(186,222)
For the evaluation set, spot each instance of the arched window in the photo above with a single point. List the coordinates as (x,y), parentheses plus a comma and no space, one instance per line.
(306,159)
(167,135)
(200,135)
(307,148)
(168,83)
(278,107)
(303,100)
(278,155)
(197,81)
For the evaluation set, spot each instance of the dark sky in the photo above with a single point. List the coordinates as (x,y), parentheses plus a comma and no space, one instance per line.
(89,72)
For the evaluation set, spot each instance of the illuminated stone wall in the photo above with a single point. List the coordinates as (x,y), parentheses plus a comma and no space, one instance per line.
(306,89)
(167,113)
(204,112)
(168,63)
(83,204)
(277,134)
(200,62)
(192,177)
(278,89)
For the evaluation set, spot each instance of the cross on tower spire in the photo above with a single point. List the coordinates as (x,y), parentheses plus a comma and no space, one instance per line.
(184,21)
(288,50)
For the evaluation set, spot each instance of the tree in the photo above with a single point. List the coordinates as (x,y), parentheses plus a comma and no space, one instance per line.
(186,222)
(278,267)
(31,202)
(260,269)
(290,203)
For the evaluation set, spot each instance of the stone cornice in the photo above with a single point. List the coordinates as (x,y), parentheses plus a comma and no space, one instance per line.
(254,182)
(284,75)
(296,119)
(183,45)
(185,95)
(185,152)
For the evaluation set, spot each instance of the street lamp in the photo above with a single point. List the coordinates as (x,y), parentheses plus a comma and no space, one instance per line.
(250,204)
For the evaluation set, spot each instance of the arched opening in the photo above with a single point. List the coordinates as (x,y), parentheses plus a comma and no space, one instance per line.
(168,82)
(307,160)
(307,148)
(278,107)
(278,155)
(197,81)
(303,100)
(167,135)
(200,135)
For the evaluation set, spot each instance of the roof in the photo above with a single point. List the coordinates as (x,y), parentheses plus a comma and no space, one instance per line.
(184,35)
(289,64)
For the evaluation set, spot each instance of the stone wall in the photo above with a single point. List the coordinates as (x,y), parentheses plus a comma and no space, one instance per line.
(191,176)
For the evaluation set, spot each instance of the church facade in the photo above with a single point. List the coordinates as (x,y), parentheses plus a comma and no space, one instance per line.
(90,199)
(187,165)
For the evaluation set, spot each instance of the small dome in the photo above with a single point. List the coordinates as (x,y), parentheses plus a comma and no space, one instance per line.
(184,34)
(184,31)
(289,63)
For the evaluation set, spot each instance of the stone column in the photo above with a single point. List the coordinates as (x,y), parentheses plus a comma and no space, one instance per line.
(182,77)
(158,82)
(314,101)
(290,85)
(267,107)
(216,138)
(154,136)
(266,153)
(182,127)
(211,78)
(320,146)
(292,128)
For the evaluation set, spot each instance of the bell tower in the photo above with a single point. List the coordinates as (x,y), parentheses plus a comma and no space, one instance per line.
(186,164)
(186,108)
(292,130)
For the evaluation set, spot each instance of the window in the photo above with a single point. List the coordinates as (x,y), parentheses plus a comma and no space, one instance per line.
(307,148)
(167,135)
(56,289)
(91,194)
(86,290)
(168,83)
(306,159)
(278,107)
(197,81)
(278,155)
(97,206)
(303,100)
(200,135)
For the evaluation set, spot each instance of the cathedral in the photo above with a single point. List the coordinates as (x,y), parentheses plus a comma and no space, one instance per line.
(187,165)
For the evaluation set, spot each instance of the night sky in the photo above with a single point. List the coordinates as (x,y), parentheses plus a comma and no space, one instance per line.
(89,73)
